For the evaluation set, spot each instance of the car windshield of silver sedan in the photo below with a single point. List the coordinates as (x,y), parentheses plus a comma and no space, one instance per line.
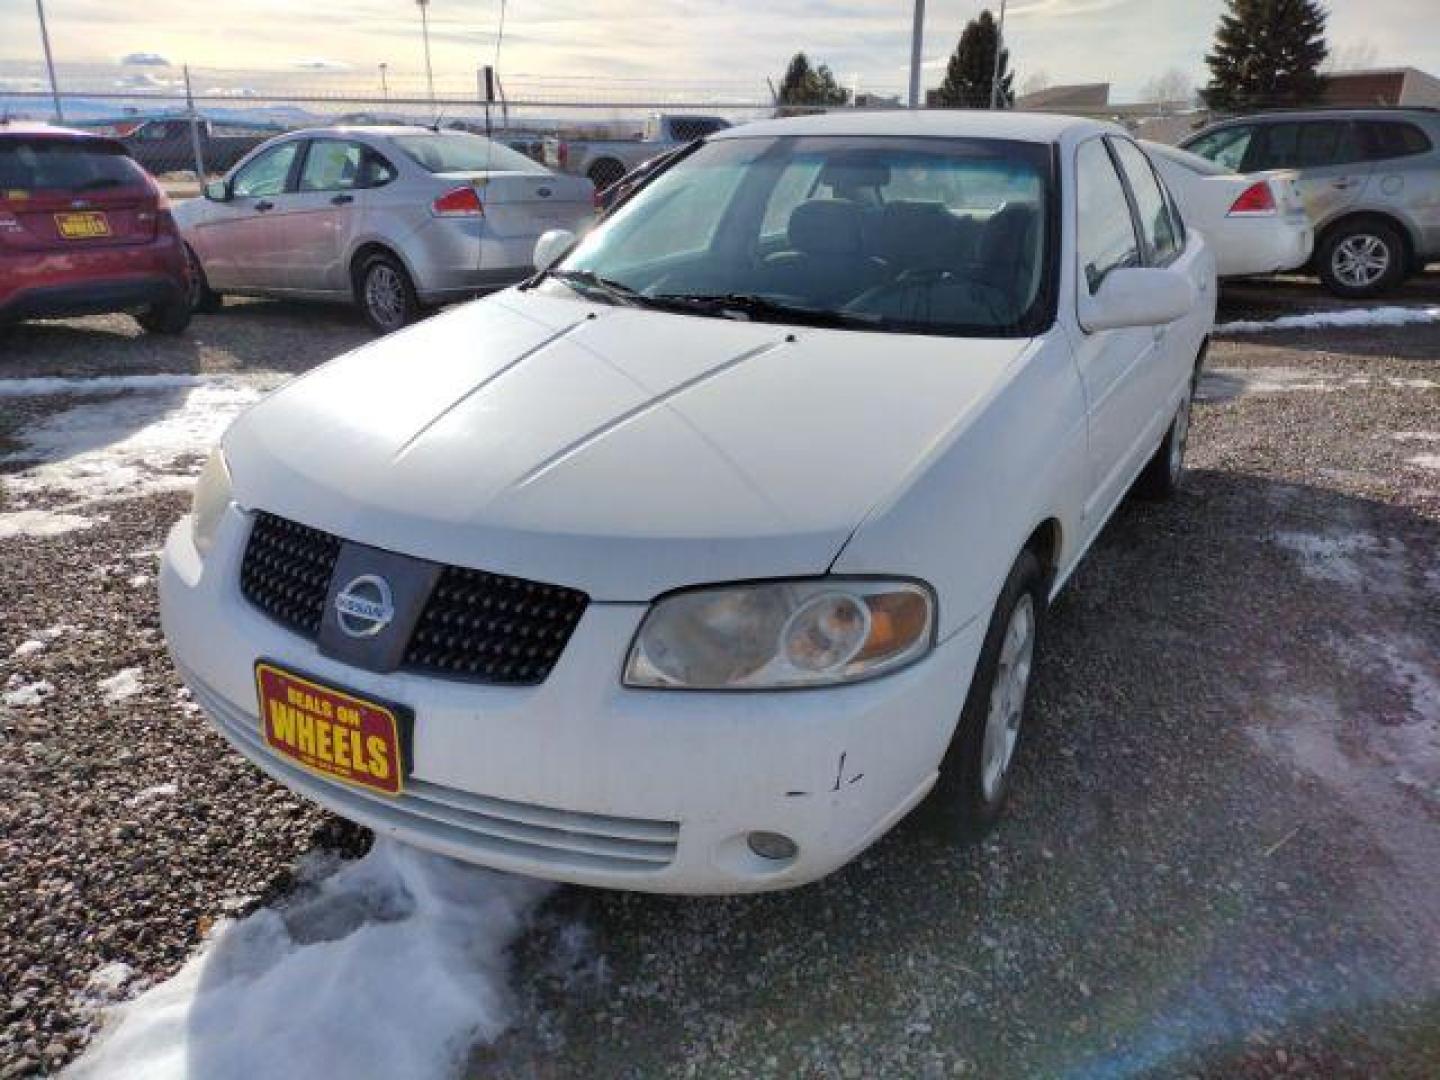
(913,235)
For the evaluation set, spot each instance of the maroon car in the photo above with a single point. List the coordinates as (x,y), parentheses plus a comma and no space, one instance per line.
(85,230)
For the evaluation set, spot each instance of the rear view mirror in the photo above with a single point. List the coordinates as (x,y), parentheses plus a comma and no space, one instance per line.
(217,191)
(550,247)
(1135,296)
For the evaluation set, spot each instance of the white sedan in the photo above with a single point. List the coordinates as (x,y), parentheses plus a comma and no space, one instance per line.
(1256,224)
(698,561)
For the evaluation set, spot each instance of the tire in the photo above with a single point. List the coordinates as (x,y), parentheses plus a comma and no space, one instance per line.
(975,774)
(202,297)
(1362,258)
(605,172)
(385,294)
(167,317)
(1163,474)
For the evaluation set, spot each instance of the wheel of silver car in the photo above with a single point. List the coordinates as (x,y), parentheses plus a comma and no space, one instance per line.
(1007,698)
(198,292)
(1362,258)
(386,295)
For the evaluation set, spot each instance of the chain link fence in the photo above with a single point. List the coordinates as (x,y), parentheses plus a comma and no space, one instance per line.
(187,124)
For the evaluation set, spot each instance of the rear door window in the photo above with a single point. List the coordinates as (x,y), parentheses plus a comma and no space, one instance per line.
(337,165)
(1309,144)
(64,165)
(1382,140)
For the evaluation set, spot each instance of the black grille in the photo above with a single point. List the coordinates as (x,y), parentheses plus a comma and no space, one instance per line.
(286,571)
(492,628)
(475,625)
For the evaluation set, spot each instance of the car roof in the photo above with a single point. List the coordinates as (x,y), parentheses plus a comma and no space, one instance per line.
(386,130)
(38,129)
(927,123)
(1330,112)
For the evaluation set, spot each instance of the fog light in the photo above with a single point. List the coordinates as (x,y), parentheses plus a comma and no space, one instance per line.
(771,845)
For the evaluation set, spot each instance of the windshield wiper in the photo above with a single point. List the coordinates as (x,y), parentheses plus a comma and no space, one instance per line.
(755,306)
(617,292)
(97,183)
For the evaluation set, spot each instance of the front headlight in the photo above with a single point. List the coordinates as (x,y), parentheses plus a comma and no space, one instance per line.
(781,634)
(207,505)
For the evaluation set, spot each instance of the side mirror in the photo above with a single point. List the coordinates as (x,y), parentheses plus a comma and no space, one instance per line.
(218,191)
(550,247)
(1136,296)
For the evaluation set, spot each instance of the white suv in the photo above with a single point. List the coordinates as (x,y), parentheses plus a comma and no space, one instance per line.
(693,564)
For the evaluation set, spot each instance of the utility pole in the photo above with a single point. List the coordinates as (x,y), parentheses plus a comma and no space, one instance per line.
(49,61)
(425,32)
(384,86)
(917,41)
(999,45)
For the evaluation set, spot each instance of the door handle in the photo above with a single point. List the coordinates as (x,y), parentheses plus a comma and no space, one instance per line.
(1342,184)
(342,200)
(263,205)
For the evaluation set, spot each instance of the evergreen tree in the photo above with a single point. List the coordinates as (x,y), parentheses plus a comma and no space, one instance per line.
(972,67)
(1267,53)
(804,85)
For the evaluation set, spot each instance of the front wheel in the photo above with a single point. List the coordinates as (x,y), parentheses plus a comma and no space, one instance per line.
(1362,259)
(975,775)
(386,294)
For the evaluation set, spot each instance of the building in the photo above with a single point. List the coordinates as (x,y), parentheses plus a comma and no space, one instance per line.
(1381,86)
(1080,96)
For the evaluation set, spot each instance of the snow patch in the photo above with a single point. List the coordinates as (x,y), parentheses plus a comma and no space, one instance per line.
(1425,461)
(1348,558)
(40,523)
(158,791)
(27,648)
(19,694)
(1377,316)
(1290,380)
(104,987)
(391,967)
(136,444)
(101,384)
(1415,436)
(125,683)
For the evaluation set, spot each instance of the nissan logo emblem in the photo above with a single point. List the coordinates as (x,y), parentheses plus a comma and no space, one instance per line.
(543,192)
(365,606)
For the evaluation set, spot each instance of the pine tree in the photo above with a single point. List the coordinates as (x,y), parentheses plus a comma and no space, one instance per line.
(1267,53)
(804,85)
(972,65)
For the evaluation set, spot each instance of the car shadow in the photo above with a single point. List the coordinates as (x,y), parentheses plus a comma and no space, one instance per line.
(1215,830)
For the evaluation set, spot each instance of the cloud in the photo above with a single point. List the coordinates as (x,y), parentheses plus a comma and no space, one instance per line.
(145,59)
(319,63)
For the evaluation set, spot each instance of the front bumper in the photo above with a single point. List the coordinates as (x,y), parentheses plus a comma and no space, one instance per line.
(580,779)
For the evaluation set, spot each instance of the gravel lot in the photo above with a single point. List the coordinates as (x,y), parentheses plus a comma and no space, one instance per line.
(1223,858)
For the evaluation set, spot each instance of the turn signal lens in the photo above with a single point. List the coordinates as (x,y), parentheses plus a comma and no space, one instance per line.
(208,504)
(782,634)
(1256,199)
(458,202)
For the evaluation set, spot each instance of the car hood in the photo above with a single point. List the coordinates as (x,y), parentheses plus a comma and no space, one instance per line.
(621,451)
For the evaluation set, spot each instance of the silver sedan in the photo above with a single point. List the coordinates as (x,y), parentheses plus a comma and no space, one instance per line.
(393,218)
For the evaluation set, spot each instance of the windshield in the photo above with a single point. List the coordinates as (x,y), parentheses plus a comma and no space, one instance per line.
(459,151)
(905,234)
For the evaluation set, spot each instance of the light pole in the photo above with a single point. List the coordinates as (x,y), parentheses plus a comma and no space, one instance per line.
(917,40)
(425,32)
(999,45)
(384,86)
(49,61)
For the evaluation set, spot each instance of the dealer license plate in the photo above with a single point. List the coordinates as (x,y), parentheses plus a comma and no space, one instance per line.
(82,226)
(330,731)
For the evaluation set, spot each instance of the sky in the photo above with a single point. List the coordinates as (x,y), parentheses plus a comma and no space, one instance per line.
(699,43)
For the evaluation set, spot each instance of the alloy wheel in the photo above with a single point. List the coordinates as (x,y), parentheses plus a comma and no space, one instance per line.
(1361,260)
(1179,434)
(385,296)
(1007,698)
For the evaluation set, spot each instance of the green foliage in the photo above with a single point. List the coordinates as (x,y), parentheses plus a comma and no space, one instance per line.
(972,66)
(1267,53)
(804,85)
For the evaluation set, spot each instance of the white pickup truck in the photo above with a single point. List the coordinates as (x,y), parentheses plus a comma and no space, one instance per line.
(605,161)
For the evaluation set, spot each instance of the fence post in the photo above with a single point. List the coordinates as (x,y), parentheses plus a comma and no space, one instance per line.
(194,130)
(49,62)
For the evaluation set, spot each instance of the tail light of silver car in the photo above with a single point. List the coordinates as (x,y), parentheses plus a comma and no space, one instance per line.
(1255,201)
(462,201)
